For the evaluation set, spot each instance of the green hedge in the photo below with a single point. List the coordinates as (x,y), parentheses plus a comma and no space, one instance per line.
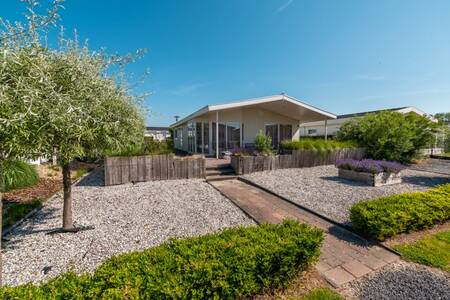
(316,144)
(18,174)
(234,263)
(388,216)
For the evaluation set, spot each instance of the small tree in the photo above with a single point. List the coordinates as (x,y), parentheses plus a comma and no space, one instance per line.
(263,143)
(390,135)
(76,101)
(86,113)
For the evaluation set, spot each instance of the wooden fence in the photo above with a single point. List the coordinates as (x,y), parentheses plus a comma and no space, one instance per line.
(119,170)
(297,159)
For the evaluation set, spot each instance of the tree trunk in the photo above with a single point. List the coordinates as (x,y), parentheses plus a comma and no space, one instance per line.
(67,209)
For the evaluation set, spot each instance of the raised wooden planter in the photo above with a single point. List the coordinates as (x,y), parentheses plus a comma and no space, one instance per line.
(379,179)
(120,170)
(297,159)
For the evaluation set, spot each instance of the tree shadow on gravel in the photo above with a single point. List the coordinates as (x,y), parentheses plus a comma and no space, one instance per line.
(95,179)
(344,181)
(425,180)
(31,226)
(404,283)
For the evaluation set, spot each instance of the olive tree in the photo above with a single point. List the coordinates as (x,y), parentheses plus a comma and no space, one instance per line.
(85,112)
(66,101)
(20,80)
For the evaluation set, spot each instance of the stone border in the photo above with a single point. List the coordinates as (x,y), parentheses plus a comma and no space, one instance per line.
(379,179)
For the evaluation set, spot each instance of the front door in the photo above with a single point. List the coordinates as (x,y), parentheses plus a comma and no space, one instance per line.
(272,131)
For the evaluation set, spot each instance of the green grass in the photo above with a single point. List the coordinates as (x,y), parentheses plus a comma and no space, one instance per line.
(320,294)
(433,250)
(80,172)
(316,144)
(17,211)
(18,174)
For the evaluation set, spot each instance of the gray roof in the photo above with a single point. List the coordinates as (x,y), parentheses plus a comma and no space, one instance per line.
(361,114)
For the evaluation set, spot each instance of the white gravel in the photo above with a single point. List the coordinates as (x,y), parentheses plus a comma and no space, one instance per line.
(320,188)
(401,281)
(126,218)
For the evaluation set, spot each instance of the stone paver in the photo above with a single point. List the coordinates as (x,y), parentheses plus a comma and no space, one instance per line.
(345,256)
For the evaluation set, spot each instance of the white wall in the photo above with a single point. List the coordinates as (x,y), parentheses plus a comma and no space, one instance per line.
(253,118)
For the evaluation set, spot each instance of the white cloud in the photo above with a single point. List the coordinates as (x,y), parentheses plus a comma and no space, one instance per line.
(283,7)
(188,88)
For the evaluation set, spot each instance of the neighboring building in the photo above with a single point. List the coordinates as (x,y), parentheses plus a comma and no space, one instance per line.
(235,125)
(157,133)
(322,128)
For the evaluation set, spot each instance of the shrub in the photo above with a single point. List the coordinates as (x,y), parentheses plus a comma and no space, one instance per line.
(155,147)
(234,263)
(369,166)
(387,216)
(263,143)
(149,146)
(390,135)
(18,174)
(316,144)
(18,210)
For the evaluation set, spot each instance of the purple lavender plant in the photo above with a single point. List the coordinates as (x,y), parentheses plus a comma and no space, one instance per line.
(370,166)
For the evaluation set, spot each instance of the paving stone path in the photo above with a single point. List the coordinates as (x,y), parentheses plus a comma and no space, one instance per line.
(345,256)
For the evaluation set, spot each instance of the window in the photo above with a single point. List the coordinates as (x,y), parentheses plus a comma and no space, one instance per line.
(312,131)
(206,137)
(198,137)
(285,132)
(233,135)
(272,131)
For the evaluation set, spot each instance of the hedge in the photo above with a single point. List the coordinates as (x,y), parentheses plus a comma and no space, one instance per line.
(316,144)
(234,263)
(385,217)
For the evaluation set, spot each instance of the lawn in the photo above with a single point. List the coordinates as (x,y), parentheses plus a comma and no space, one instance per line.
(432,250)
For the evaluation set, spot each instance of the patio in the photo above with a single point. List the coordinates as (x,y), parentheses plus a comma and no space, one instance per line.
(320,189)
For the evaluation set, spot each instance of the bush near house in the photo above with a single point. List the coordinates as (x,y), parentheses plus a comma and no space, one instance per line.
(234,263)
(390,135)
(149,146)
(387,216)
(316,144)
(17,174)
(263,144)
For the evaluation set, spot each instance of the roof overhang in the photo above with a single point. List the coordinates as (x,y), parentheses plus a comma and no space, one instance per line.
(280,104)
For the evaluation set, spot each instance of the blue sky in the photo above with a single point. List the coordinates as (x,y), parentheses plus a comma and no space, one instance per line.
(342,56)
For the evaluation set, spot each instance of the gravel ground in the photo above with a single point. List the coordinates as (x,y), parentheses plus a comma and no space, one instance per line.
(320,188)
(126,218)
(401,281)
(434,165)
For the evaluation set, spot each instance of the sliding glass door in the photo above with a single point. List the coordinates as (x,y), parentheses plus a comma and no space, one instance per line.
(229,136)
(272,131)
